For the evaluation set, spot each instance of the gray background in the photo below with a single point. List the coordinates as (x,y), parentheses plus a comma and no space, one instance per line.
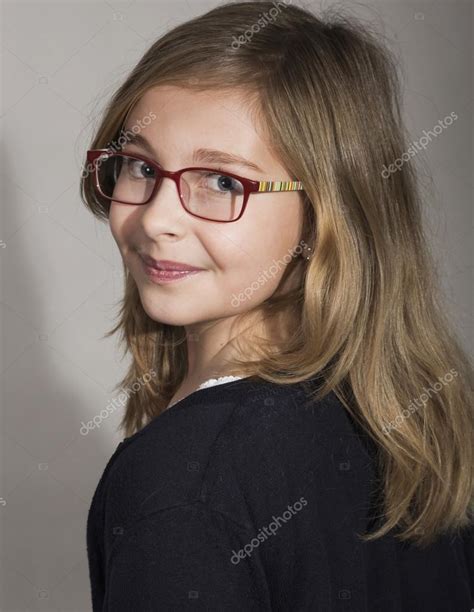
(61,270)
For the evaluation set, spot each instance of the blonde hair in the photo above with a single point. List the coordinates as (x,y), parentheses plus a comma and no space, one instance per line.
(366,315)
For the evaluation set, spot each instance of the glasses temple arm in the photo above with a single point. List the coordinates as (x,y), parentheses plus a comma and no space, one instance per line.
(280,186)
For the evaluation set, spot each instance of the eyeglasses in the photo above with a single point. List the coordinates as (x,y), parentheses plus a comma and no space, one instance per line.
(205,193)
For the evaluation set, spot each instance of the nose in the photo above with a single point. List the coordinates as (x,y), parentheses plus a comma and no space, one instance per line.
(164,213)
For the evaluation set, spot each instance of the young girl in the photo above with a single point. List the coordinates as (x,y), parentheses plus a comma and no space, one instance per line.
(299,426)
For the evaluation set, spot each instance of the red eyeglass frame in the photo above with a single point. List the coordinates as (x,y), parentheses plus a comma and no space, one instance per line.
(250,186)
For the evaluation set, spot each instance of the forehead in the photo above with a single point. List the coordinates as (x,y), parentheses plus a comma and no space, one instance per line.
(182,119)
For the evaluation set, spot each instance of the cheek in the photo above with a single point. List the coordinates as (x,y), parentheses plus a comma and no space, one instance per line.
(119,220)
(115,222)
(251,256)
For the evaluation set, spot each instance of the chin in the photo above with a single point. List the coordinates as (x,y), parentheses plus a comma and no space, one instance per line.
(156,307)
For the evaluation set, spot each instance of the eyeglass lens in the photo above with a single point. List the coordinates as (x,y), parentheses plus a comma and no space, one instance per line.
(205,193)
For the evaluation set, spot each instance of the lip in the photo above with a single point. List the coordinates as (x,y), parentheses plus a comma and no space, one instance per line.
(168,265)
(168,276)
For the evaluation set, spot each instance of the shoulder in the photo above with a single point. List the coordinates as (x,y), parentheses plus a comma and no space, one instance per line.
(289,420)
(280,443)
(290,409)
(246,438)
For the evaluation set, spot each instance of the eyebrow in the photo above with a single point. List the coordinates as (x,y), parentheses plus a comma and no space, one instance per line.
(200,155)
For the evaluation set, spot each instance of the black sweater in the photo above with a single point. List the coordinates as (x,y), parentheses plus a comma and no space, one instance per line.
(243,497)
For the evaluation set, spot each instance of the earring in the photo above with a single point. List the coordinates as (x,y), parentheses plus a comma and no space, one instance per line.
(308,253)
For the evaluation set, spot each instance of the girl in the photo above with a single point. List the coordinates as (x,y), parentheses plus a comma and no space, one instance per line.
(299,436)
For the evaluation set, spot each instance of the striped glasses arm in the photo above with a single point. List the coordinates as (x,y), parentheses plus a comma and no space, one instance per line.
(280,186)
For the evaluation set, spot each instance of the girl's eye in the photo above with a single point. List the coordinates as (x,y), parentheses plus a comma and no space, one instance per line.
(139,169)
(223,183)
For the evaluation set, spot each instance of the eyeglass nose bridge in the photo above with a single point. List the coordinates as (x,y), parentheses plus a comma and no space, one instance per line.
(174,175)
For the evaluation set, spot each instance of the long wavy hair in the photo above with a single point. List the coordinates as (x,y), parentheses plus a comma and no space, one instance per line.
(367,315)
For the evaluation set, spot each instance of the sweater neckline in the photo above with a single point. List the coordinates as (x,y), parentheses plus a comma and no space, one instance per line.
(182,403)
(210,382)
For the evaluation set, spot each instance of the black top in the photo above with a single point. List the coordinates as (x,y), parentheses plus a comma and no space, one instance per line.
(244,497)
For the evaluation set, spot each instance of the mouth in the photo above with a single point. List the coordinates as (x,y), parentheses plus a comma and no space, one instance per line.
(166,271)
(168,265)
